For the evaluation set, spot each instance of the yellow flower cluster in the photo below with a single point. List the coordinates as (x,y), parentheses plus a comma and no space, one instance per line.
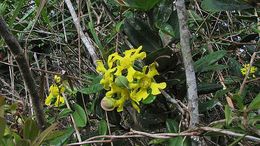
(245,68)
(124,82)
(56,91)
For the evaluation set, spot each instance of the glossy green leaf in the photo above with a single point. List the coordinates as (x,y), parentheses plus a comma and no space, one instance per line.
(141,4)
(204,62)
(177,141)
(64,113)
(149,99)
(239,100)
(139,33)
(163,12)
(224,5)
(205,88)
(255,104)
(157,141)
(91,89)
(171,126)
(58,138)
(79,116)
(102,127)
(228,115)
(30,129)
(207,105)
(44,134)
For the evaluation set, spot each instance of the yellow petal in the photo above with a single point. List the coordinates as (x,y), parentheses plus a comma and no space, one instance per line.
(57,78)
(54,90)
(130,74)
(62,89)
(112,58)
(48,99)
(59,101)
(141,94)
(156,86)
(119,70)
(135,106)
(152,71)
(120,104)
(100,67)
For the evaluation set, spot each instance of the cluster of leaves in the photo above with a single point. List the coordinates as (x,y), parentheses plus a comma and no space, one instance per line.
(224,36)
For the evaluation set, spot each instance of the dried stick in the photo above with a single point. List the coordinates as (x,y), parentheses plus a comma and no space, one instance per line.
(72,119)
(247,73)
(140,134)
(188,63)
(86,40)
(16,50)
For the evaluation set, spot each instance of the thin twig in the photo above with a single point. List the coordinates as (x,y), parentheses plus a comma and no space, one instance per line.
(86,40)
(248,72)
(72,119)
(49,72)
(140,134)
(16,50)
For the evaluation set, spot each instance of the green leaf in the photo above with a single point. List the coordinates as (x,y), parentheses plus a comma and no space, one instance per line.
(141,4)
(205,88)
(2,127)
(203,63)
(207,105)
(239,100)
(30,129)
(79,116)
(139,33)
(24,142)
(228,115)
(177,141)
(223,5)
(255,104)
(58,138)
(64,113)
(102,127)
(43,135)
(163,12)
(234,143)
(171,126)
(18,5)
(91,89)
(157,141)
(149,99)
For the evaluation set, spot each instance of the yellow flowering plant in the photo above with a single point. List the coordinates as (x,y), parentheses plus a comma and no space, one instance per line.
(124,82)
(245,68)
(56,90)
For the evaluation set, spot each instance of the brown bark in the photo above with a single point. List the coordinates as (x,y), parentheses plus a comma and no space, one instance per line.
(18,54)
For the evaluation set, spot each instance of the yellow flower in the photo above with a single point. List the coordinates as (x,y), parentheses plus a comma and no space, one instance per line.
(107,74)
(55,93)
(146,82)
(48,99)
(245,68)
(124,83)
(54,90)
(57,78)
(127,62)
(120,95)
(59,101)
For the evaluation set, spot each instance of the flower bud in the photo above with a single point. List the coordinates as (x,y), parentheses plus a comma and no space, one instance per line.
(121,81)
(107,104)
